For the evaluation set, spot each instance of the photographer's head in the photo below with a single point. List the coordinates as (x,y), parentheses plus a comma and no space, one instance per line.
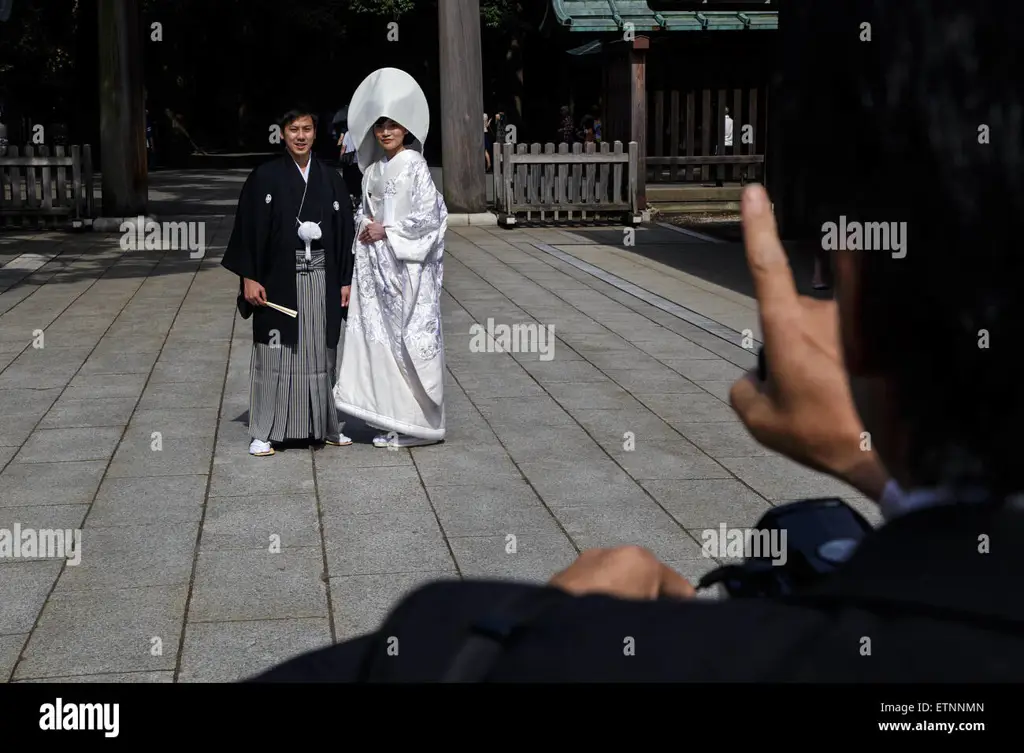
(930,116)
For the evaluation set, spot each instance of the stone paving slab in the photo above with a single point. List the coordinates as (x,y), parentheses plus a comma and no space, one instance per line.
(129,422)
(225,651)
(258,584)
(105,632)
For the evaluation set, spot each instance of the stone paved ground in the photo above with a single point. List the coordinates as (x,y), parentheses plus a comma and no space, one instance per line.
(201,563)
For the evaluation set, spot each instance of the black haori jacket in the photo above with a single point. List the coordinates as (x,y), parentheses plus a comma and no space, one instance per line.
(265,237)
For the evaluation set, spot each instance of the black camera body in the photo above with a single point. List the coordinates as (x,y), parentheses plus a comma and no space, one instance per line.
(820,534)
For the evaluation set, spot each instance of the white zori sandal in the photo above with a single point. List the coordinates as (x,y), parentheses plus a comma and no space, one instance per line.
(260,449)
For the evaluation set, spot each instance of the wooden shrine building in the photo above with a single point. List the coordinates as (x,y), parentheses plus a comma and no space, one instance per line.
(663,74)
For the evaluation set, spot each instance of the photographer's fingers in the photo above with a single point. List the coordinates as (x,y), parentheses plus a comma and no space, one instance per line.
(752,405)
(774,287)
(674,585)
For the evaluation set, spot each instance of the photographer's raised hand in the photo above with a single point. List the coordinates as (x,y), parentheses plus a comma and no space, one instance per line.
(805,409)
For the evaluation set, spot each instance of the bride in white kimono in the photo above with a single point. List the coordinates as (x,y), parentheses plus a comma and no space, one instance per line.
(392,367)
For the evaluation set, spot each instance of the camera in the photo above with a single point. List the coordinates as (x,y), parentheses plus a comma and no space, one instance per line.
(819,536)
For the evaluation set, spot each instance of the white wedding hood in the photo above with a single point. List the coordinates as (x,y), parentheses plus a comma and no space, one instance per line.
(386,93)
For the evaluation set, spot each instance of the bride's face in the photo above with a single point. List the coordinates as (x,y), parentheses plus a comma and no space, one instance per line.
(389,134)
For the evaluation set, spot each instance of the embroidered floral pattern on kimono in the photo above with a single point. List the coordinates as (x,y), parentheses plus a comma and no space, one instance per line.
(383,284)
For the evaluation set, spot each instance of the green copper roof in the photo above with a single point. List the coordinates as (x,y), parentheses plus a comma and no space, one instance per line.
(613,15)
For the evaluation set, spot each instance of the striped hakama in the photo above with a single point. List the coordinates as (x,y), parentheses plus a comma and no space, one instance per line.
(291,392)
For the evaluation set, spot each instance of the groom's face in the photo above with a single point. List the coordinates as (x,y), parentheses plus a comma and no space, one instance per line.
(298,136)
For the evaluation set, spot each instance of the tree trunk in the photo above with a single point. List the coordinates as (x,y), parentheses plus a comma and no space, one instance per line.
(462,106)
(122,111)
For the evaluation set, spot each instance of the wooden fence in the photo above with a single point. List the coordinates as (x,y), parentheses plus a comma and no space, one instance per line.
(686,143)
(37,190)
(586,184)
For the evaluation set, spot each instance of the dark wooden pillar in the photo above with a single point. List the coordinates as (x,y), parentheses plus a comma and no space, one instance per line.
(462,106)
(638,105)
(122,110)
(616,123)
(625,92)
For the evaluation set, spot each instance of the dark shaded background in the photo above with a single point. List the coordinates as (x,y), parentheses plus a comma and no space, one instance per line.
(230,68)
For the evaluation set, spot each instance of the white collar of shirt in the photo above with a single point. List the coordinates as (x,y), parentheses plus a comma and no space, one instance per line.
(304,171)
(895,501)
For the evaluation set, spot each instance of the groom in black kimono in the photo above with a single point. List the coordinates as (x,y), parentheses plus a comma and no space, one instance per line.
(294,359)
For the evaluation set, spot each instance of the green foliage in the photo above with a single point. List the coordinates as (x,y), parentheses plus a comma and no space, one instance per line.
(494,13)
(499,13)
(393,8)
(37,48)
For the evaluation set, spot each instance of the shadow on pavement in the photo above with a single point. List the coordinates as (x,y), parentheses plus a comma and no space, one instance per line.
(194,192)
(174,195)
(723,264)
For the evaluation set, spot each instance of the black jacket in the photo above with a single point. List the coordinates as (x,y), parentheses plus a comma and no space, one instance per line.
(935,596)
(265,237)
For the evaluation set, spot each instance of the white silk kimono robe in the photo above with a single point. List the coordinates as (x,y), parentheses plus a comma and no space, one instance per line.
(392,365)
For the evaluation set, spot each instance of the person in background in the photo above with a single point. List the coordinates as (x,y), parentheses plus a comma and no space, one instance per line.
(500,122)
(338,124)
(350,172)
(488,143)
(346,144)
(726,149)
(150,142)
(587,130)
(566,129)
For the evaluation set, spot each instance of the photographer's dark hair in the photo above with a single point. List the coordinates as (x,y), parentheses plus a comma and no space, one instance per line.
(926,124)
